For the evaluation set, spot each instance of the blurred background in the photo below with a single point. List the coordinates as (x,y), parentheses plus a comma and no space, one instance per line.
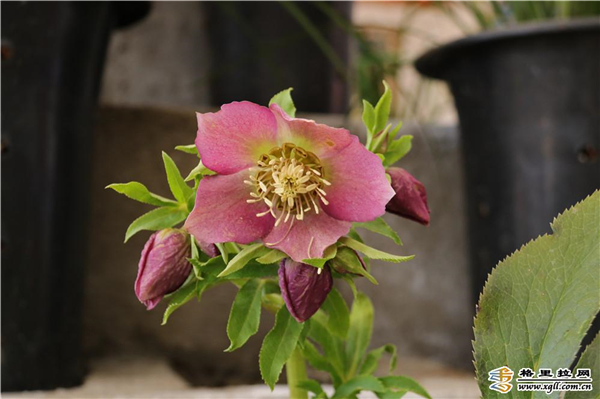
(505,115)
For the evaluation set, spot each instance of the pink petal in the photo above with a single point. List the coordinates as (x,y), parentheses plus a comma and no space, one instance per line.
(234,138)
(221,213)
(359,189)
(322,140)
(307,238)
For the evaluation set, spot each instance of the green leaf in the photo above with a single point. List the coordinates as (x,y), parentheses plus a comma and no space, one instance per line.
(278,346)
(284,100)
(320,362)
(245,314)
(368,118)
(539,302)
(357,384)
(157,219)
(195,250)
(393,133)
(378,139)
(216,264)
(199,170)
(223,251)
(371,361)
(207,268)
(195,259)
(397,150)
(348,260)
(328,254)
(273,256)
(139,192)
(372,252)
(272,302)
(390,394)
(232,247)
(590,359)
(243,257)
(332,346)
(184,294)
(404,384)
(201,262)
(254,270)
(357,237)
(181,191)
(208,273)
(338,314)
(188,149)
(350,281)
(197,267)
(311,386)
(359,333)
(382,109)
(354,234)
(380,226)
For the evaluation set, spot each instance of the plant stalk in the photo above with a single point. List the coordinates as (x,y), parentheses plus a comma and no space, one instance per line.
(296,371)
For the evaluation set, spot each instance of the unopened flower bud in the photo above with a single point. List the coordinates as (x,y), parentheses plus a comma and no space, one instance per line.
(304,288)
(210,249)
(163,267)
(347,260)
(410,200)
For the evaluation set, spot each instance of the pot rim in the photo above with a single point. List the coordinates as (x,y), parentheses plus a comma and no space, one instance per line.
(431,63)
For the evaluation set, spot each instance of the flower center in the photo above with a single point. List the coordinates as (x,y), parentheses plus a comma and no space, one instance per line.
(290,181)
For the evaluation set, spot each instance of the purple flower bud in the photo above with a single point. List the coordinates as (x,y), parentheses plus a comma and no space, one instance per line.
(210,249)
(410,200)
(163,267)
(303,288)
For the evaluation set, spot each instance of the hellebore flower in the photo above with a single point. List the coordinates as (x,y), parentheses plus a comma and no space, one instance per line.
(294,184)
(163,267)
(304,288)
(410,200)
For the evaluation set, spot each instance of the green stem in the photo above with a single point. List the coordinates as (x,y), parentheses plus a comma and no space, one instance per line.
(296,372)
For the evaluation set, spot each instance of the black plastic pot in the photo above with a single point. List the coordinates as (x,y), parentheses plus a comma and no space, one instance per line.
(52,62)
(260,48)
(528,101)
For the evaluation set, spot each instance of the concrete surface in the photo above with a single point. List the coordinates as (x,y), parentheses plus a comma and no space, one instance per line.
(147,377)
(422,306)
(162,60)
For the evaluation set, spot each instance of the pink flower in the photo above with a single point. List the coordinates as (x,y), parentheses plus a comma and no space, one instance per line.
(294,184)
(410,200)
(163,267)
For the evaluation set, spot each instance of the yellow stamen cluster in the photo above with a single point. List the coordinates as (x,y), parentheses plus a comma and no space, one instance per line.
(290,181)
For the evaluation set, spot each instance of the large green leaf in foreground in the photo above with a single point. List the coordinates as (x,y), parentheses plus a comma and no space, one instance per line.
(278,346)
(539,302)
(590,359)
